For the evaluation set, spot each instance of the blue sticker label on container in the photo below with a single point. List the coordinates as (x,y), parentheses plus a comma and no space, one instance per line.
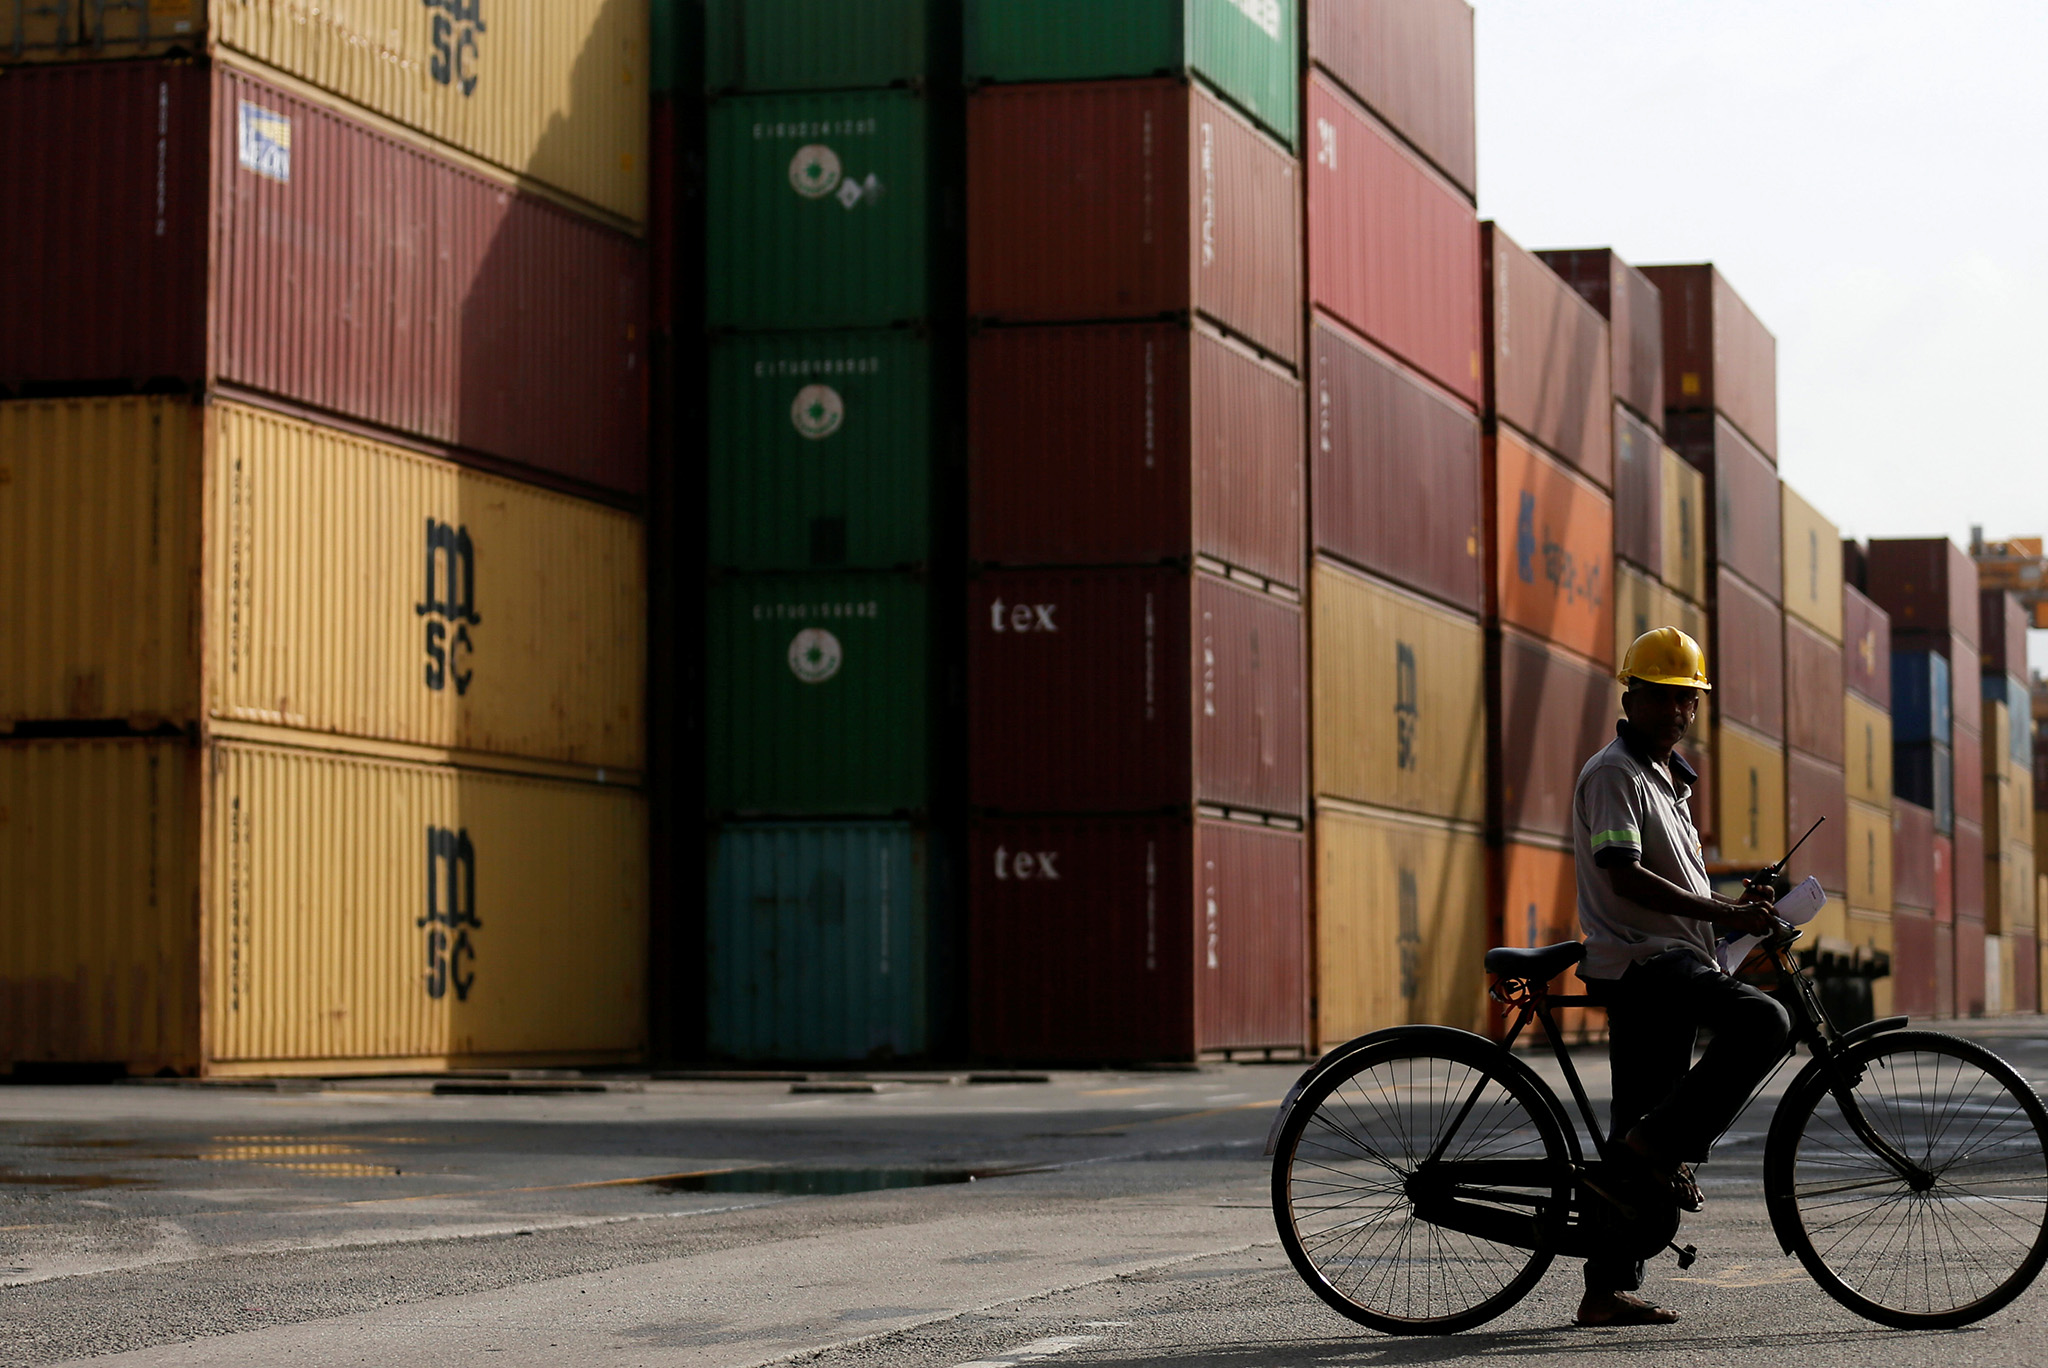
(265,141)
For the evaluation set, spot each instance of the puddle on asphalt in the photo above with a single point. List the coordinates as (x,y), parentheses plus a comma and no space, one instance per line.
(74,1181)
(831,1182)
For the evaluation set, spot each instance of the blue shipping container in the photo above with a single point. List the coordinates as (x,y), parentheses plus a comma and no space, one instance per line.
(2019,705)
(818,941)
(1920,701)
(1924,772)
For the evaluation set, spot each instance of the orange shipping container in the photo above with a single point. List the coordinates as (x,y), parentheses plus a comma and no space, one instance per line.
(1551,541)
(1537,900)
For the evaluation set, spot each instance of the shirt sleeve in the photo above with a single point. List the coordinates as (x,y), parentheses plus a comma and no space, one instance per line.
(1614,813)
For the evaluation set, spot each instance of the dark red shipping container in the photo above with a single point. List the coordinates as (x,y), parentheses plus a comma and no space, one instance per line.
(1393,248)
(1132,444)
(1814,789)
(2002,633)
(1545,357)
(1131,199)
(1969,871)
(1912,857)
(1638,492)
(1410,62)
(1968,750)
(1746,659)
(1634,311)
(1101,939)
(1131,691)
(1547,713)
(1929,586)
(1965,686)
(1969,953)
(1717,354)
(1397,470)
(353,273)
(2025,951)
(1814,717)
(1866,647)
(1913,963)
(1746,534)
(1944,879)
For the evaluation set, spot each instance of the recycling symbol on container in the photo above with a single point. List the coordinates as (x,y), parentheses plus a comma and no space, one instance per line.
(817,411)
(814,655)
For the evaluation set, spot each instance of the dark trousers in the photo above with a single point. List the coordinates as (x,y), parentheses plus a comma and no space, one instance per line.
(1654,1015)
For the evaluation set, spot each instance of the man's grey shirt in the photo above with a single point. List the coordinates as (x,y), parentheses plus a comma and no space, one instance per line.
(1625,803)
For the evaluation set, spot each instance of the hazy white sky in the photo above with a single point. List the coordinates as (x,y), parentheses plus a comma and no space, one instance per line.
(1871,175)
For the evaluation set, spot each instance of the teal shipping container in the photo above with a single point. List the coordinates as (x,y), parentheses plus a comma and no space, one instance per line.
(671,49)
(816,210)
(817,695)
(821,450)
(760,46)
(1244,48)
(817,942)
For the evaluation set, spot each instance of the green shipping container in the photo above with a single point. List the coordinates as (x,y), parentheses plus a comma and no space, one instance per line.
(821,450)
(818,694)
(817,942)
(758,46)
(816,209)
(1245,48)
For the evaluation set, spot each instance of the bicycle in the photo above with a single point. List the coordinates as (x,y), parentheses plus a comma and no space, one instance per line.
(1424,1177)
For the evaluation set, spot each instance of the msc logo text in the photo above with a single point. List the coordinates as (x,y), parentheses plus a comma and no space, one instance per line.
(449,601)
(454,37)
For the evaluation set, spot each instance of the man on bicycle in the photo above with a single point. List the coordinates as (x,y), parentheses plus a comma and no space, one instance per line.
(1651,920)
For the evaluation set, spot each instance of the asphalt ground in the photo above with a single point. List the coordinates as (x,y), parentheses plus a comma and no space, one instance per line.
(1092,1218)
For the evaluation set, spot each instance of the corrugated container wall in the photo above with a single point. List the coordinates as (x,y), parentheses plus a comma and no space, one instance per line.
(1717,354)
(1912,857)
(1866,647)
(1815,789)
(1920,696)
(1397,470)
(818,210)
(1813,692)
(1929,586)
(2002,633)
(1634,310)
(1746,534)
(1393,248)
(1747,658)
(818,941)
(1812,565)
(1685,528)
(819,44)
(344,269)
(1538,903)
(1399,699)
(1750,784)
(1638,492)
(353,587)
(1550,712)
(1546,363)
(1133,444)
(1867,750)
(1551,543)
(1870,858)
(1410,62)
(1247,51)
(554,91)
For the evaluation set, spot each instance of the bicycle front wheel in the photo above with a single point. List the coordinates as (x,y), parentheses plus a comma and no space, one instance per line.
(1947,1244)
(1418,1186)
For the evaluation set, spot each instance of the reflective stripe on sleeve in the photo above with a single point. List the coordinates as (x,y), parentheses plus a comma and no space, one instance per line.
(1623,836)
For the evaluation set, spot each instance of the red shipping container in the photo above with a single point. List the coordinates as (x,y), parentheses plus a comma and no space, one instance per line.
(1397,470)
(1550,539)
(1634,311)
(1638,492)
(1132,444)
(1968,845)
(1969,952)
(1866,647)
(1966,691)
(1133,690)
(2002,633)
(1815,789)
(1967,749)
(1131,199)
(317,261)
(1912,857)
(1102,939)
(1929,586)
(1746,532)
(1717,354)
(1944,969)
(1814,714)
(1944,879)
(2026,964)
(1746,658)
(1548,712)
(1546,366)
(1913,963)
(1393,248)
(1410,62)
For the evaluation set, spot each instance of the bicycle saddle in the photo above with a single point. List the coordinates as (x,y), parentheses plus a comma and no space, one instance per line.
(1537,966)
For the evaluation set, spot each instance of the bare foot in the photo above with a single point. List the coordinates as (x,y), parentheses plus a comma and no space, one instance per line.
(1620,1308)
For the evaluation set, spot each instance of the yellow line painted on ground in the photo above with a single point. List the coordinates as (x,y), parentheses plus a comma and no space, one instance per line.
(1183,1116)
(551,1187)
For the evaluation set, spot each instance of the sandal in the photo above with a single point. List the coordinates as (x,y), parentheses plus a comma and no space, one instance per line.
(1629,1311)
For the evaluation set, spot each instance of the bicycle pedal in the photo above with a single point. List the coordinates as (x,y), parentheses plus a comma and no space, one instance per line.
(1687,1255)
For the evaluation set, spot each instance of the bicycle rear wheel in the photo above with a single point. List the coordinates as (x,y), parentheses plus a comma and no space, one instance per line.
(1353,1161)
(1950,1248)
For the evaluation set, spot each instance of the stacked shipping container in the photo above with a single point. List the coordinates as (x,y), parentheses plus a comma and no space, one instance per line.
(1816,717)
(327,405)
(1397,587)
(2012,960)
(1874,815)
(1135,634)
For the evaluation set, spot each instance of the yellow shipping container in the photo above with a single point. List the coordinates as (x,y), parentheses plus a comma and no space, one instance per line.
(1872,930)
(349,587)
(2009,889)
(1870,855)
(1638,602)
(551,90)
(1401,922)
(1749,788)
(1813,564)
(1867,752)
(348,913)
(1685,528)
(2024,819)
(1399,698)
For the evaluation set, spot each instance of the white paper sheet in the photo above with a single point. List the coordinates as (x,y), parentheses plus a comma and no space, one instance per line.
(1798,907)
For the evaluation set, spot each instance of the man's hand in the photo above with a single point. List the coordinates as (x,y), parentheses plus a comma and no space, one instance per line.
(1749,915)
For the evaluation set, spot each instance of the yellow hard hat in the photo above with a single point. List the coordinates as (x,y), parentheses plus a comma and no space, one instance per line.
(1665,655)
